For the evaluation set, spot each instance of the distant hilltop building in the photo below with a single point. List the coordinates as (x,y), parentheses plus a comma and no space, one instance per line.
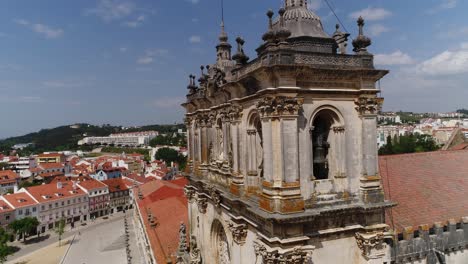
(282,150)
(131,139)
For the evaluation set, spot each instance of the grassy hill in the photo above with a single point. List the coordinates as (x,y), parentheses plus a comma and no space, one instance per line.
(66,137)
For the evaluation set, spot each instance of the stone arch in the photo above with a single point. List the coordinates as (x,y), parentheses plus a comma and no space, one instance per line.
(327,137)
(220,243)
(254,145)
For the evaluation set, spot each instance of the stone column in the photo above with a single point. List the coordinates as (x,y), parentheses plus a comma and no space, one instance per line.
(281,191)
(370,187)
(235,115)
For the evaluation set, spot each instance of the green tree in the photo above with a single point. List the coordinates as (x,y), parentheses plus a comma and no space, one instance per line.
(170,155)
(60,230)
(5,250)
(24,226)
(4,166)
(408,144)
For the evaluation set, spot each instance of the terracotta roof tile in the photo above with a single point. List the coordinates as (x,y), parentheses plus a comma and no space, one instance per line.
(428,187)
(116,185)
(8,176)
(19,200)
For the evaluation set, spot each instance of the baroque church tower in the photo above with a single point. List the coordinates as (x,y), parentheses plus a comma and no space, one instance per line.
(282,149)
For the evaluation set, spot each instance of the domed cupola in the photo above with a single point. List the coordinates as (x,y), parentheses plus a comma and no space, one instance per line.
(300,21)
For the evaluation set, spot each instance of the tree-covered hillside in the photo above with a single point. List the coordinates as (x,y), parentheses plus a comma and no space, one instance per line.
(66,137)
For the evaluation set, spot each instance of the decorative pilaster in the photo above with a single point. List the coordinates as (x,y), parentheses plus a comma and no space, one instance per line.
(235,115)
(371,189)
(297,255)
(281,187)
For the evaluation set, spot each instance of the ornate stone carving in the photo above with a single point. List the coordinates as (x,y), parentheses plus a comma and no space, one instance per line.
(371,244)
(239,232)
(339,129)
(298,255)
(279,105)
(235,112)
(182,240)
(195,254)
(189,193)
(202,204)
(368,105)
(215,196)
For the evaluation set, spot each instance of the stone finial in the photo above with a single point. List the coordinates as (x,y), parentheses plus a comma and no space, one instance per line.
(361,43)
(269,36)
(283,33)
(341,39)
(240,56)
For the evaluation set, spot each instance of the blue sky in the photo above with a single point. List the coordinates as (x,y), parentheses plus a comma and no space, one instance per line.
(127,61)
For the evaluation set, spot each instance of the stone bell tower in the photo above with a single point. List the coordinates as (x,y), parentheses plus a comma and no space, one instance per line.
(282,149)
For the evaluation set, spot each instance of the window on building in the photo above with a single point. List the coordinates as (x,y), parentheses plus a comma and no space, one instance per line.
(43,207)
(34,209)
(7,217)
(20,211)
(56,205)
(63,203)
(68,202)
(50,206)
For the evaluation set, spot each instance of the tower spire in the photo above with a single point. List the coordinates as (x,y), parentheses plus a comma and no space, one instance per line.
(223,48)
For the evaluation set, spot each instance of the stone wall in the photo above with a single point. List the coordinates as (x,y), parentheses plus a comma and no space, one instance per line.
(432,244)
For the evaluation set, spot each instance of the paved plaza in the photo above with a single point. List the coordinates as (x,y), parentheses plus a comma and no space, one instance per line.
(102,241)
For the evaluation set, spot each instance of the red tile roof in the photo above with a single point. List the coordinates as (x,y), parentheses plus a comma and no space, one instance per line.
(19,200)
(428,187)
(4,207)
(8,176)
(90,184)
(50,192)
(116,185)
(55,165)
(164,238)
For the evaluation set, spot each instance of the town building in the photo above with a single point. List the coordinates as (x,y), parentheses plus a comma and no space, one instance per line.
(22,163)
(9,181)
(61,199)
(98,196)
(7,214)
(50,158)
(282,150)
(136,139)
(119,194)
(23,204)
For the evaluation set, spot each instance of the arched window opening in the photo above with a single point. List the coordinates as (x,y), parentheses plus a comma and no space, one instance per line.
(221,244)
(321,147)
(255,146)
(328,145)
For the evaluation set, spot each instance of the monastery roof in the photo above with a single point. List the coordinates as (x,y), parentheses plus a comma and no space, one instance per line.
(428,187)
(19,200)
(164,238)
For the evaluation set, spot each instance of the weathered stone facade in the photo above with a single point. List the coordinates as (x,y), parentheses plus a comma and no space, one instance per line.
(282,150)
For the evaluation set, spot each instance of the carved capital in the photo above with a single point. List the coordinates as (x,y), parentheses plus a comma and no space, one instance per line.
(368,106)
(189,193)
(371,244)
(339,129)
(298,255)
(235,112)
(279,105)
(202,204)
(214,194)
(239,232)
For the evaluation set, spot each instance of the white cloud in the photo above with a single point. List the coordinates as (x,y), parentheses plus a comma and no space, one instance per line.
(150,55)
(445,4)
(371,14)
(446,63)
(41,29)
(195,39)
(315,5)
(123,49)
(195,20)
(395,58)
(109,10)
(135,23)
(194,1)
(167,102)
(145,60)
(377,29)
